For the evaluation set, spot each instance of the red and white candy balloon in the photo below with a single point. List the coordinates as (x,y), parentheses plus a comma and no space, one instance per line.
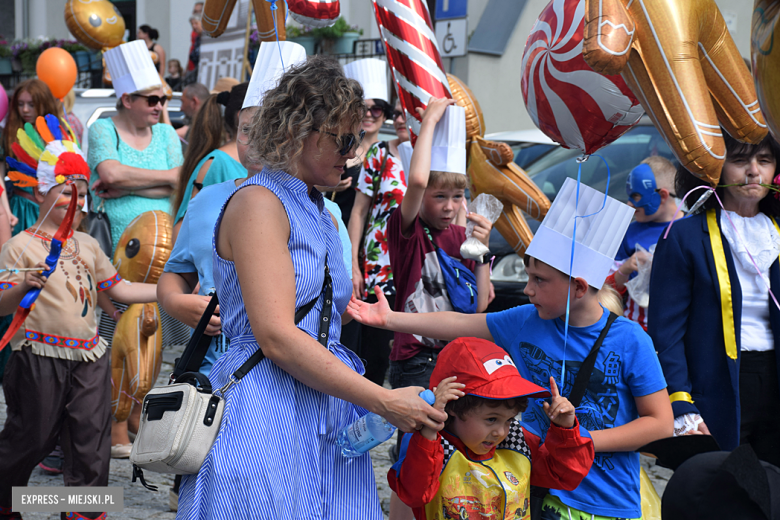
(572,104)
(314,13)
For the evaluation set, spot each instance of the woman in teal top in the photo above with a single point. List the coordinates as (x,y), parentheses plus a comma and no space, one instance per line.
(212,154)
(135,164)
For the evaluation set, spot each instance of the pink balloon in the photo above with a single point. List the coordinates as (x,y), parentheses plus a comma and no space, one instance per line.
(3,103)
(566,99)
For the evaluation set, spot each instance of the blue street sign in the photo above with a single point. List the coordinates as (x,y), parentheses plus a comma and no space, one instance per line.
(448,9)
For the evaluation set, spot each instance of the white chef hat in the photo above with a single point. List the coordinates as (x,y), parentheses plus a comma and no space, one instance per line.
(131,68)
(405,151)
(448,153)
(273,60)
(371,73)
(598,235)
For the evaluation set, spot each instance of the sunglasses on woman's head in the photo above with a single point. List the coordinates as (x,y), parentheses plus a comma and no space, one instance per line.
(346,142)
(153,100)
(375,111)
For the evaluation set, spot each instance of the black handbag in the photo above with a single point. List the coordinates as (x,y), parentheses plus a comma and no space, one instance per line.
(98,226)
(575,397)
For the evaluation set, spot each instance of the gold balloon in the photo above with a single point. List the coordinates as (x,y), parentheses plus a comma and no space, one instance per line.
(144,247)
(140,256)
(95,23)
(136,357)
(678,58)
(475,121)
(766,60)
(216,14)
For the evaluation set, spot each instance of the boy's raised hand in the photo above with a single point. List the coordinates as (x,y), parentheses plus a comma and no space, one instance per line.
(373,315)
(559,410)
(482,227)
(448,390)
(435,110)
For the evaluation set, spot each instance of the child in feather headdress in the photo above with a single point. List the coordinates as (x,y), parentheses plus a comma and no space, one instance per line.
(57,381)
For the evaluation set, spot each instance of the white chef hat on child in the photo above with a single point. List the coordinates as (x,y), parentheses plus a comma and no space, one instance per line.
(598,236)
(131,68)
(448,153)
(371,73)
(273,59)
(405,151)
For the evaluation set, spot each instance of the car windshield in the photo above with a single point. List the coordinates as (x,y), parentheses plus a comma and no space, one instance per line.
(550,170)
(528,153)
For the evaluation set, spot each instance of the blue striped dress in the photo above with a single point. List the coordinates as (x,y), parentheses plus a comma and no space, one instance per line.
(275,456)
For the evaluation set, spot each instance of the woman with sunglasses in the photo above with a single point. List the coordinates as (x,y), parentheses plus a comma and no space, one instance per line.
(380,189)
(274,248)
(135,162)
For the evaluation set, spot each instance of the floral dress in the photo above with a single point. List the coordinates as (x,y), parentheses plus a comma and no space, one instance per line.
(386,189)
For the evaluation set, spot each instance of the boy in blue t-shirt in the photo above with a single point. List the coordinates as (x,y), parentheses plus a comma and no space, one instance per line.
(625,405)
(650,189)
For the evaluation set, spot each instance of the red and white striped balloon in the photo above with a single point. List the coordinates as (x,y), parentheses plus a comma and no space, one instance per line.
(413,54)
(574,105)
(315,13)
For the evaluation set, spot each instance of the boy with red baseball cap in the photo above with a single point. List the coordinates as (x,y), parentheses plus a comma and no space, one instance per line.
(484,460)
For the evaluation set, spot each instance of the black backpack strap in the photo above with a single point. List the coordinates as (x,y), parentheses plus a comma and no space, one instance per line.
(322,335)
(198,345)
(583,376)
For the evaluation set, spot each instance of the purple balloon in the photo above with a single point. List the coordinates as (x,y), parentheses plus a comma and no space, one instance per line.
(3,103)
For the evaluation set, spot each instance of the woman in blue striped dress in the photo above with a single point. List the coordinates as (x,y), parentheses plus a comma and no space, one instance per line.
(275,456)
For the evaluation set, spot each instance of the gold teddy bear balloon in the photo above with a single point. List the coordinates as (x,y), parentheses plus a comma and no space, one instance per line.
(678,58)
(492,170)
(136,351)
(216,14)
(95,23)
(766,60)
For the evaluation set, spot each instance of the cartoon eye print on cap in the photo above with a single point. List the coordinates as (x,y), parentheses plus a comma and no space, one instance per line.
(491,365)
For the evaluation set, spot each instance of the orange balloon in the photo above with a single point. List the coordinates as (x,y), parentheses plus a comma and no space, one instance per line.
(57,68)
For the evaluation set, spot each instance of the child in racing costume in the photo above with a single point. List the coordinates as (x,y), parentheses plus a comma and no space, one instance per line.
(485,460)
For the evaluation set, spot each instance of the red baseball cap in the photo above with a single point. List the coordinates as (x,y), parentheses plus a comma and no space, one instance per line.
(486,369)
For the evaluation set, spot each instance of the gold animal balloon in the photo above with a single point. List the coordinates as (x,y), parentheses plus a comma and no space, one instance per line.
(98,24)
(136,357)
(766,60)
(216,14)
(492,171)
(678,58)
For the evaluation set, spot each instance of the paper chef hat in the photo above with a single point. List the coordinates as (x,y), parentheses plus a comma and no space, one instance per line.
(449,142)
(273,59)
(405,151)
(598,236)
(131,68)
(371,73)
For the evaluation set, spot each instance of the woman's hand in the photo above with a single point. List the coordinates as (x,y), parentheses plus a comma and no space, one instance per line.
(358,283)
(371,314)
(409,412)
(13,220)
(482,227)
(560,410)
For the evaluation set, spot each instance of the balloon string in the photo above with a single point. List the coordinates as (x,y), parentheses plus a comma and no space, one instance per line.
(274,8)
(580,160)
(123,392)
(734,227)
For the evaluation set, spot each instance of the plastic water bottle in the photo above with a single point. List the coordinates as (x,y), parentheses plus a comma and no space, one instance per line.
(369,431)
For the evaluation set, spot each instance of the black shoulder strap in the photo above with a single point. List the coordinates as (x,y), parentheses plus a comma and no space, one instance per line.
(196,349)
(583,376)
(322,334)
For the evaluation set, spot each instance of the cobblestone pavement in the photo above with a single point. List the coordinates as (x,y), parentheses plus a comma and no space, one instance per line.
(141,504)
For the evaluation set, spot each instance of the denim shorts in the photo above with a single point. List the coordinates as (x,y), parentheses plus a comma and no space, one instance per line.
(415,371)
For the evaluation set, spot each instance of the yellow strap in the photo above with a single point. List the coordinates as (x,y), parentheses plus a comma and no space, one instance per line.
(726,306)
(681,396)
(775,223)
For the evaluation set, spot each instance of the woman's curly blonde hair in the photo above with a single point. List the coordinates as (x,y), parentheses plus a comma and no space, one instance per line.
(315,94)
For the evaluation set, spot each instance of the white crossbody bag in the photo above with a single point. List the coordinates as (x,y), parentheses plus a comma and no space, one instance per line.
(180,422)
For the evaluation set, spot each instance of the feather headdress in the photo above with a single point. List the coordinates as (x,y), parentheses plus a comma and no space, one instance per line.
(47,154)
